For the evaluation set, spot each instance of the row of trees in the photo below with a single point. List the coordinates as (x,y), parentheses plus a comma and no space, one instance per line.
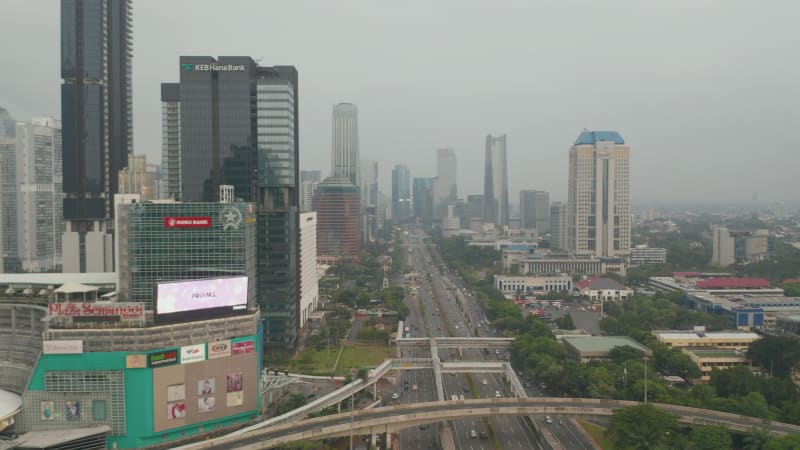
(647,427)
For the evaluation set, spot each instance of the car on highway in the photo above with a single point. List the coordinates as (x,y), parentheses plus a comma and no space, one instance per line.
(461,397)
(548,419)
(542,385)
(414,387)
(483,435)
(497,394)
(484,381)
(396,395)
(473,434)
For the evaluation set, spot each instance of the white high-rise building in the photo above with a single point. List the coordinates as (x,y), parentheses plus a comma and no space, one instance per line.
(309,283)
(369,182)
(495,182)
(344,143)
(32,196)
(599,218)
(723,247)
(307,190)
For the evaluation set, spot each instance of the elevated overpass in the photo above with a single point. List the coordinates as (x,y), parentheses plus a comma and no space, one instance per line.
(455,342)
(395,418)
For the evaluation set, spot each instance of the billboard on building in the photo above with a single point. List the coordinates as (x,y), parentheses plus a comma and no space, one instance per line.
(181,301)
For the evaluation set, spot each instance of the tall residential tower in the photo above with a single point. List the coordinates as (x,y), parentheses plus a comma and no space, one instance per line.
(599,217)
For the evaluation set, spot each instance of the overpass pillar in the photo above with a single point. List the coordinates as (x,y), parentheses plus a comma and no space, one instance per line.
(375,390)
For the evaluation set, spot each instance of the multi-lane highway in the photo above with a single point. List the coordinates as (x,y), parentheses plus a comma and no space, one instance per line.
(441,308)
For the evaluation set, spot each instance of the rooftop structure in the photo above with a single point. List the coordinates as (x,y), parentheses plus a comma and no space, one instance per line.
(733,283)
(586,348)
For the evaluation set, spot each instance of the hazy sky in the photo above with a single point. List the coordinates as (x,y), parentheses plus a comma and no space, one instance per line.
(706,93)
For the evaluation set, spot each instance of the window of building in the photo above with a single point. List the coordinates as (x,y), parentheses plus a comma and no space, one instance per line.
(98,410)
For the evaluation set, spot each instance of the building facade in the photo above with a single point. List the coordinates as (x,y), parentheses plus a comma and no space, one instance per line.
(534,210)
(558,225)
(307,190)
(401,192)
(139,178)
(171,241)
(495,182)
(309,283)
(423,199)
(642,254)
(238,126)
(311,175)
(344,143)
(338,208)
(97,120)
(171,140)
(599,220)
(32,197)
(446,181)
(510,285)
(150,385)
(723,247)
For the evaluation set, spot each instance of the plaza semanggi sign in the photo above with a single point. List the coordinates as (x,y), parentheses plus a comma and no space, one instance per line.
(188,222)
(125,311)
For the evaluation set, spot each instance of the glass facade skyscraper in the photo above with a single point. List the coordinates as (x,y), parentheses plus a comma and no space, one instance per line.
(401,192)
(96,105)
(423,199)
(232,122)
(338,207)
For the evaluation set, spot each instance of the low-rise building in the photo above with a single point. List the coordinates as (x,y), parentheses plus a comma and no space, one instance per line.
(588,348)
(700,338)
(538,264)
(602,289)
(510,285)
(642,254)
(708,359)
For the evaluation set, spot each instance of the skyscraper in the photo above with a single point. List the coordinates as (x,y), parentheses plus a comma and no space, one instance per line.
(558,225)
(97,121)
(338,208)
(139,178)
(401,192)
(423,199)
(369,199)
(599,218)
(238,126)
(369,182)
(32,197)
(344,143)
(495,182)
(534,210)
(309,180)
(446,183)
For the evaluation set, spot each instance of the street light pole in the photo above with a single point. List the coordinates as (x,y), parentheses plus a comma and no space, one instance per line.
(352,398)
(645,379)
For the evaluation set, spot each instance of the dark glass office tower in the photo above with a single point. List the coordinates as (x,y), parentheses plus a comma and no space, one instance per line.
(96,106)
(239,126)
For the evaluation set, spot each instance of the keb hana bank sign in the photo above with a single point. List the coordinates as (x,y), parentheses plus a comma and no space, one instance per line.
(123,311)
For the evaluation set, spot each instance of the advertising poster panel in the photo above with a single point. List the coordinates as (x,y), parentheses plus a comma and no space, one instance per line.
(191,300)
(219,349)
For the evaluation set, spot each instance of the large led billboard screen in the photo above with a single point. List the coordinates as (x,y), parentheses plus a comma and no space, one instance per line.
(196,299)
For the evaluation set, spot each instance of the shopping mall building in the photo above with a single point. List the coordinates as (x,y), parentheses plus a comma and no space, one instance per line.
(93,368)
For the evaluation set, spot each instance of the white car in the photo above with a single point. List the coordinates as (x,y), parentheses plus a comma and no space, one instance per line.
(484,381)
(497,394)
(461,397)
(548,419)
(396,395)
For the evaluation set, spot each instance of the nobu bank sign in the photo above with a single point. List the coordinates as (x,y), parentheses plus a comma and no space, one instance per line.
(188,67)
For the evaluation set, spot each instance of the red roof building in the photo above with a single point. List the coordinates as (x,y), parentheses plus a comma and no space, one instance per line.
(733,283)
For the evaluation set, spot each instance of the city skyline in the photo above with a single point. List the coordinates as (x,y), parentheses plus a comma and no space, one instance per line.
(646,97)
